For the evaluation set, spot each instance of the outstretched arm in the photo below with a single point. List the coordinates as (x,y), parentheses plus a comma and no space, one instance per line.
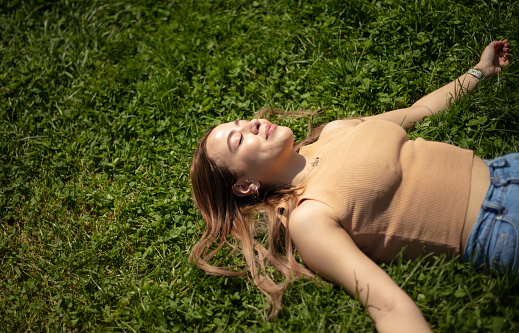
(329,251)
(495,55)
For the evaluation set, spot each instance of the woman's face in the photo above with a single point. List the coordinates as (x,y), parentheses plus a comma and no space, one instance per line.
(255,149)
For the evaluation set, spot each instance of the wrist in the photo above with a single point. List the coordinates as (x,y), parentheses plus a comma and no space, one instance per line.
(476,72)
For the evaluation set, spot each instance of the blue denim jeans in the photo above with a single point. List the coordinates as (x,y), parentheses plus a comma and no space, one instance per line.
(493,240)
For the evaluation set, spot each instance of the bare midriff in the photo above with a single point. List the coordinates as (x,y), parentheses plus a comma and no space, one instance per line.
(480,180)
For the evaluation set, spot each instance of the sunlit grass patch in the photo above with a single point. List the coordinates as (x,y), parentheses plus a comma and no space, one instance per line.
(101,107)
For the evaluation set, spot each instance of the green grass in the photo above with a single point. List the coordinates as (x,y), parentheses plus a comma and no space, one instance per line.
(101,106)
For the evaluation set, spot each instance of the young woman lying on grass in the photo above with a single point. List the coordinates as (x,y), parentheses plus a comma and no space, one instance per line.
(354,193)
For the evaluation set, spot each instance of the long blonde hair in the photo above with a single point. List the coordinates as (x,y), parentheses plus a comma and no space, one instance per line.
(243,217)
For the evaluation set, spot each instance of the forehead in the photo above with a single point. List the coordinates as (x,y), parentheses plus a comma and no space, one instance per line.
(220,131)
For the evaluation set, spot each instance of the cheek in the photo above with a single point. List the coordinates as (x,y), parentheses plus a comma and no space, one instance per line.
(240,163)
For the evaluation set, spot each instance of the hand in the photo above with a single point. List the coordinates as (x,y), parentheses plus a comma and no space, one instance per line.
(495,55)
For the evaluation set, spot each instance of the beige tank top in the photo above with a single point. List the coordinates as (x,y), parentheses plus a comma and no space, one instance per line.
(391,193)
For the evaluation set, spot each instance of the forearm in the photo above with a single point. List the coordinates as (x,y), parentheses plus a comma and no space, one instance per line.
(496,54)
(438,100)
(406,317)
(443,97)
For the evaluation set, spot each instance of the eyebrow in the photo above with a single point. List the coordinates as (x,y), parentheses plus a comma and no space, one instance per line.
(231,132)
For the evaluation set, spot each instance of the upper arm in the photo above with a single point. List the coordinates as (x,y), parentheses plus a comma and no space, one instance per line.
(341,123)
(405,117)
(328,250)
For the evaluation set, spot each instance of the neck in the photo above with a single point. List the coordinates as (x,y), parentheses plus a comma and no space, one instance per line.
(295,170)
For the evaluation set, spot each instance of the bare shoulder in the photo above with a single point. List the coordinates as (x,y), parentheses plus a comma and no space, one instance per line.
(312,212)
(341,123)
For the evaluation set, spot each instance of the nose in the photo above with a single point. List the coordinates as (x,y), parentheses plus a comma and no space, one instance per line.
(254,126)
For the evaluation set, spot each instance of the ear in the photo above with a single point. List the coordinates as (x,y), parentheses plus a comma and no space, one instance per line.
(243,188)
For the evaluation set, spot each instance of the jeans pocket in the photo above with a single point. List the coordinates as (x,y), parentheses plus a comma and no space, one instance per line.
(505,254)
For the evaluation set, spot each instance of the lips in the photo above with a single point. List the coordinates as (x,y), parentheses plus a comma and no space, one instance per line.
(268,130)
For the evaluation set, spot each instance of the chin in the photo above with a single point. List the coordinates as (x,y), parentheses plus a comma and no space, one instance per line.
(286,139)
(284,133)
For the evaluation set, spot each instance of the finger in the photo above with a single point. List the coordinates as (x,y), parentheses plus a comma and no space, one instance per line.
(505,55)
(506,44)
(507,49)
(504,51)
(498,45)
(505,60)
